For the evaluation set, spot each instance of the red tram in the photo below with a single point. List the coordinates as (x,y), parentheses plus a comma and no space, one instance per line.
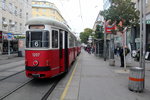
(50,48)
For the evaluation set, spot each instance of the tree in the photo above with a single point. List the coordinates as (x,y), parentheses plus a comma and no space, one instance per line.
(122,11)
(123,14)
(85,35)
(99,32)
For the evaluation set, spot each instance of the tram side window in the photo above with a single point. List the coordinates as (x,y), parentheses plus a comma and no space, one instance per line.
(71,41)
(54,39)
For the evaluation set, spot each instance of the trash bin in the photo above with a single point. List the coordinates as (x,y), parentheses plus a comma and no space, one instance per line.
(136,79)
(19,53)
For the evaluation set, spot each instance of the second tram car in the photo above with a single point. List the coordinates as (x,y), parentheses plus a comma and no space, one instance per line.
(50,48)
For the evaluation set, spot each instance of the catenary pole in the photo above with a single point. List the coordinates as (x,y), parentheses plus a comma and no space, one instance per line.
(144,32)
(144,37)
(141,32)
(104,52)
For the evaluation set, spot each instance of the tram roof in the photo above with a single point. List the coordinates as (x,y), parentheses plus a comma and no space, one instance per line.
(46,21)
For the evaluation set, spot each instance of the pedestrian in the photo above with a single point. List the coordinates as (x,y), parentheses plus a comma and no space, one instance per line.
(117,51)
(121,54)
(92,49)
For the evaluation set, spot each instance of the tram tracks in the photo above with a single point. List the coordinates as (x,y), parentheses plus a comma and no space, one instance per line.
(26,82)
(47,94)
(11,75)
(47,86)
(15,89)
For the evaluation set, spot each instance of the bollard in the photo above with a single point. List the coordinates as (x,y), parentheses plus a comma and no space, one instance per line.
(136,79)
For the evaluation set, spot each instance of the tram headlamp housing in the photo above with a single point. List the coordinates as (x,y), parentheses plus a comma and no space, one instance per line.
(35,62)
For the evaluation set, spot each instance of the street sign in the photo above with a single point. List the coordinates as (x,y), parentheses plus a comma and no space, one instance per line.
(109,28)
(147,21)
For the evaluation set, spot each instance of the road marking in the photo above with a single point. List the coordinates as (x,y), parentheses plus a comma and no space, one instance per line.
(69,82)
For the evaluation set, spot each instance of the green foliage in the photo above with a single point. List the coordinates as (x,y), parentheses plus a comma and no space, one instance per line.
(19,37)
(122,10)
(99,32)
(85,35)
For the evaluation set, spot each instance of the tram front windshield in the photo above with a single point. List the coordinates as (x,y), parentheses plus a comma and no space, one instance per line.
(37,39)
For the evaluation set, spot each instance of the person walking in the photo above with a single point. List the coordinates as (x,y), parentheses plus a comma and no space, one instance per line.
(119,51)
(121,56)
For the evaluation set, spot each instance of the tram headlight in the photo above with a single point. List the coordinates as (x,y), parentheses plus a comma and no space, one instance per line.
(35,62)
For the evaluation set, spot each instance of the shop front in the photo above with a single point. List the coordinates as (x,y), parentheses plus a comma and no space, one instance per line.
(1,45)
(9,44)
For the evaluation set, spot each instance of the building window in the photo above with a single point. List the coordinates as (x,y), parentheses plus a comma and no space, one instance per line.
(53,11)
(3,4)
(20,27)
(15,26)
(10,8)
(26,16)
(53,17)
(4,23)
(10,25)
(37,9)
(44,10)
(15,11)
(20,13)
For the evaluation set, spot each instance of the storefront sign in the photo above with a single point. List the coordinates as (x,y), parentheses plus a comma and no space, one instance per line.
(0,36)
(147,21)
(9,36)
(109,28)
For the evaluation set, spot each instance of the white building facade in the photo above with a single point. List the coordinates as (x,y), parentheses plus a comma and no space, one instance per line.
(14,14)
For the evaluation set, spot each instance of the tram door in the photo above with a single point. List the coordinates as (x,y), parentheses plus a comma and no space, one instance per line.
(61,56)
(66,51)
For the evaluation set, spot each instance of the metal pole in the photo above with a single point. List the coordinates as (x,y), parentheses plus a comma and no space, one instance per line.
(8,47)
(144,32)
(144,37)
(104,53)
(141,32)
(112,46)
(124,44)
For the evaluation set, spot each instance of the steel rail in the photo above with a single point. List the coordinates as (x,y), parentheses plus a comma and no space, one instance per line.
(12,67)
(47,94)
(13,90)
(11,75)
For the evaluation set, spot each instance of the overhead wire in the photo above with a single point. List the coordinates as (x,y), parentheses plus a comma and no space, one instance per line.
(81,13)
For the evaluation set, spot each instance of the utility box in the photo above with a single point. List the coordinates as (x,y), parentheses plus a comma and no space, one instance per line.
(136,79)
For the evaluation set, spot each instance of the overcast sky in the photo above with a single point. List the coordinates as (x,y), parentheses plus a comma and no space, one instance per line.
(79,14)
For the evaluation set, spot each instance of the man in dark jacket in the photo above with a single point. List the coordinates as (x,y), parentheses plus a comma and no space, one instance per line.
(120,51)
(121,56)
